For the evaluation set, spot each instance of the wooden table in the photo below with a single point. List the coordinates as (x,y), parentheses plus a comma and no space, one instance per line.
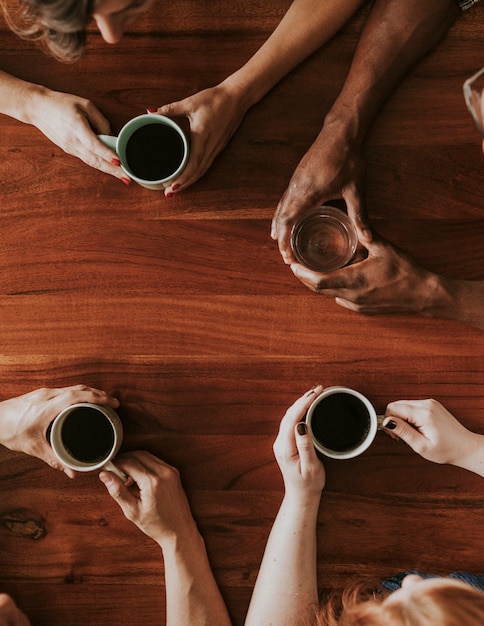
(183,308)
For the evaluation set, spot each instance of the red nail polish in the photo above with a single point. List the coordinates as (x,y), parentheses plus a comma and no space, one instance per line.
(169,194)
(151,110)
(115,161)
(126,181)
(175,187)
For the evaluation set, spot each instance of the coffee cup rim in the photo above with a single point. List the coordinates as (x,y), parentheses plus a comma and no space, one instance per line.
(144,120)
(65,457)
(367,441)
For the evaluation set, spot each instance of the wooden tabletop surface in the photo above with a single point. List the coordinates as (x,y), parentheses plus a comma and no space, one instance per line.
(183,308)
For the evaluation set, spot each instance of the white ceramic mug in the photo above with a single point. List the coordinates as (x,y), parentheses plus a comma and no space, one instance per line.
(343,423)
(121,146)
(86,437)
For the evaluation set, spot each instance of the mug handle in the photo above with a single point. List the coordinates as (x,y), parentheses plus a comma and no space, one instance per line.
(109,141)
(110,467)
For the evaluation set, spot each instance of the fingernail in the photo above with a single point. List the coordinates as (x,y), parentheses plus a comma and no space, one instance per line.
(105,478)
(313,390)
(151,110)
(126,181)
(391,425)
(169,194)
(115,161)
(302,429)
(175,187)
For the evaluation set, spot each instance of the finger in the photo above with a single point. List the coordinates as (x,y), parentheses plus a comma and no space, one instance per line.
(145,460)
(297,411)
(100,157)
(173,109)
(407,410)
(358,213)
(120,493)
(202,155)
(347,304)
(94,153)
(404,431)
(330,284)
(81,393)
(97,121)
(284,243)
(305,447)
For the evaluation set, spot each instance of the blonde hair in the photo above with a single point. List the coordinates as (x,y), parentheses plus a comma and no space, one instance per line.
(448,605)
(59,25)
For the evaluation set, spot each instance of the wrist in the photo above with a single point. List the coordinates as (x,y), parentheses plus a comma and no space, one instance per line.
(346,121)
(472,458)
(455,299)
(297,501)
(182,540)
(244,90)
(22,102)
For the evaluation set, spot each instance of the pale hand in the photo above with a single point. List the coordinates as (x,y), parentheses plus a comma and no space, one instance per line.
(302,471)
(431,431)
(73,123)
(156,503)
(10,614)
(24,420)
(214,115)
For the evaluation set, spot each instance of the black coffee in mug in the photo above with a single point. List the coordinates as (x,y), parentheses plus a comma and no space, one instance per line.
(154,151)
(87,435)
(340,422)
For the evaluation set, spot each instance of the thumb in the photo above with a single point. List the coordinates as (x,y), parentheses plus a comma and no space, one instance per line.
(98,122)
(404,431)
(118,491)
(304,444)
(172,110)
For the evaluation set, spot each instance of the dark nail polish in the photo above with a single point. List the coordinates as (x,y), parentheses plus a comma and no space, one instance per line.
(169,194)
(391,425)
(175,187)
(151,110)
(302,429)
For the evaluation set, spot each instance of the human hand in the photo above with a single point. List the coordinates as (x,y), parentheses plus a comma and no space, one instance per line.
(214,116)
(73,123)
(331,169)
(10,614)
(302,471)
(24,420)
(431,431)
(387,281)
(156,503)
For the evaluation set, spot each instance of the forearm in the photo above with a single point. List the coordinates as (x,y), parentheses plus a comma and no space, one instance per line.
(17,97)
(461,300)
(396,35)
(286,587)
(192,595)
(473,460)
(306,26)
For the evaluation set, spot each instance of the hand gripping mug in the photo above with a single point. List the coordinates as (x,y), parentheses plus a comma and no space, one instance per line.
(343,423)
(86,437)
(152,148)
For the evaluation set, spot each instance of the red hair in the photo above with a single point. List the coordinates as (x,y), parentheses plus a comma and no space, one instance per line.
(446,605)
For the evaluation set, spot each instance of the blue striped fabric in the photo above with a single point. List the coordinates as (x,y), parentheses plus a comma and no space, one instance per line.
(394,583)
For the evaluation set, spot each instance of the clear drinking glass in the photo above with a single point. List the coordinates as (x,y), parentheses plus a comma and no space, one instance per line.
(324,239)
(474,97)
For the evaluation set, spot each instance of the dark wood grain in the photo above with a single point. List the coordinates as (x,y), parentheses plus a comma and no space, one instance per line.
(183,309)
